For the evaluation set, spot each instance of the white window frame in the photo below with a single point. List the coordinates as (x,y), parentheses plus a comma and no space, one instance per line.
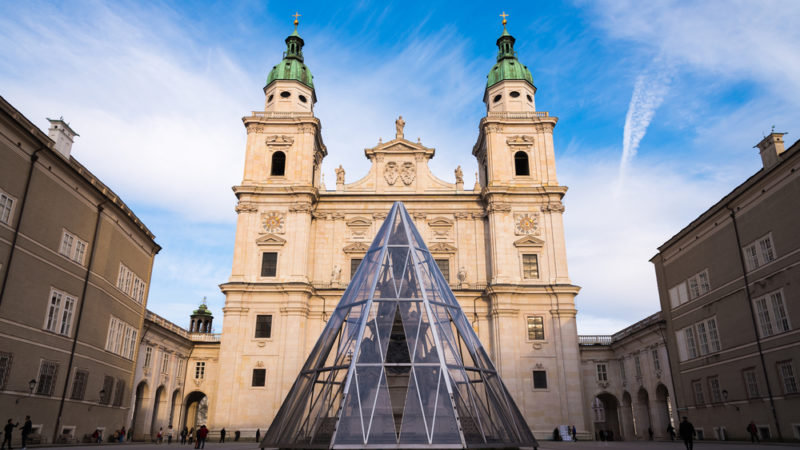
(199,370)
(165,359)
(51,387)
(759,252)
(525,273)
(656,360)
(678,294)
(602,372)
(697,391)
(699,285)
(788,377)
(699,339)
(771,314)
(121,338)
(72,247)
(60,312)
(714,389)
(751,383)
(6,209)
(130,284)
(148,357)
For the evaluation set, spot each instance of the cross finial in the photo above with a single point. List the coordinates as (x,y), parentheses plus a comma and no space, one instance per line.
(504,15)
(296,15)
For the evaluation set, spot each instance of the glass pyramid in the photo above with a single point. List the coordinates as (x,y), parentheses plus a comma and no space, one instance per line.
(398,364)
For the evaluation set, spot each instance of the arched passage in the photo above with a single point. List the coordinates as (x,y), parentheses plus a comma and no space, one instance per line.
(140,403)
(626,417)
(175,403)
(642,414)
(661,415)
(159,412)
(196,410)
(606,416)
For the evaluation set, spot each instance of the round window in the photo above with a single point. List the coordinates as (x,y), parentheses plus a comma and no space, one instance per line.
(303,98)
(285,94)
(497,98)
(514,94)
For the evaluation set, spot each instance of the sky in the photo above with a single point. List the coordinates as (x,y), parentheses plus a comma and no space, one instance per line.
(659,107)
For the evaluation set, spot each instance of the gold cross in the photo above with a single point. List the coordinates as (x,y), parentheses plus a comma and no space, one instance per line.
(296,15)
(504,15)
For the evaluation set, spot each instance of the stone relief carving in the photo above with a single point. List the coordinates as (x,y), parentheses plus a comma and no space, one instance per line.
(461,215)
(442,247)
(273,222)
(279,140)
(379,215)
(408,173)
(300,207)
(499,206)
(462,274)
(441,227)
(255,128)
(520,140)
(338,216)
(320,215)
(358,227)
(391,173)
(356,247)
(526,223)
(336,274)
(419,215)
(553,207)
(494,127)
(246,207)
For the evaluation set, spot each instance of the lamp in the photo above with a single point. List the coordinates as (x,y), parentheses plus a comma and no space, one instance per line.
(31,387)
(102,399)
(725,394)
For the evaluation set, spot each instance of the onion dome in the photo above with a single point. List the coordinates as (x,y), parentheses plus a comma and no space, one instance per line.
(202,311)
(508,66)
(292,66)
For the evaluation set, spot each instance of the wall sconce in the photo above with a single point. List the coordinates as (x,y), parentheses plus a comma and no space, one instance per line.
(725,398)
(31,387)
(102,398)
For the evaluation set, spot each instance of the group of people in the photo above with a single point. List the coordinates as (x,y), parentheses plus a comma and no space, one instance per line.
(8,431)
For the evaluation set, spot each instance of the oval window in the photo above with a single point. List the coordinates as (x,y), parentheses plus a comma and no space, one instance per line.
(514,94)
(303,98)
(285,94)
(269,99)
(497,98)
(530,99)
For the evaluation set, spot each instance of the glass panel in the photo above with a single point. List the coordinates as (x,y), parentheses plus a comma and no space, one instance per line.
(398,233)
(445,428)
(381,421)
(414,429)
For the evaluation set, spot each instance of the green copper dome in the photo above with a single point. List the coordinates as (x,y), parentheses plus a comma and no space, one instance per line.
(202,311)
(508,66)
(292,67)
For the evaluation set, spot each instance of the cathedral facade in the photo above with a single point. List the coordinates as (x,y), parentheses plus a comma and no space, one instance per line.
(500,244)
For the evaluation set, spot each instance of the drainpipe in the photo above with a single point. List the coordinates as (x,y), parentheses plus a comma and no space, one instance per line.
(666,346)
(78,320)
(34,158)
(753,319)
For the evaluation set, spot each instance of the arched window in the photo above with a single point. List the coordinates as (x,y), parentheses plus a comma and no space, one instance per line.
(279,164)
(521,164)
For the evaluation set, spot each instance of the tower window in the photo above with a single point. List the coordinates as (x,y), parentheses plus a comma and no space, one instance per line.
(530,99)
(303,98)
(285,94)
(259,377)
(279,164)
(514,94)
(497,98)
(269,264)
(264,326)
(539,379)
(269,99)
(521,164)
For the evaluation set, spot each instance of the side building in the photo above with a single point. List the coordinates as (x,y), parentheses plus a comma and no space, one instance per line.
(627,382)
(728,284)
(75,265)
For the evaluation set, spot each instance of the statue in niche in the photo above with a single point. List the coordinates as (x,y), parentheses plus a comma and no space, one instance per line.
(336,274)
(339,175)
(459,175)
(462,274)
(399,124)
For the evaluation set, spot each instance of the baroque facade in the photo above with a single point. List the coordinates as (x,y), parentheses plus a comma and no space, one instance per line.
(501,245)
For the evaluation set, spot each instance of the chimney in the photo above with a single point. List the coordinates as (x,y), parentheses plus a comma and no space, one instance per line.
(62,135)
(771,148)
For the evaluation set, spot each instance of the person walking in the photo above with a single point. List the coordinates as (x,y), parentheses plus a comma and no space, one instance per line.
(202,433)
(7,430)
(184,433)
(170,434)
(191,435)
(122,435)
(671,432)
(753,430)
(574,434)
(258,434)
(650,432)
(27,428)
(222,436)
(686,432)
(160,435)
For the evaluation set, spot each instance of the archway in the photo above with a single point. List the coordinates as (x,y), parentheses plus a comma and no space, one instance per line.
(159,412)
(605,416)
(196,410)
(662,416)
(175,403)
(626,416)
(138,428)
(642,414)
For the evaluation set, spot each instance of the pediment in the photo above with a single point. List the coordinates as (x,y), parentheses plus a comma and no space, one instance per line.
(359,222)
(529,241)
(356,247)
(440,222)
(270,239)
(442,247)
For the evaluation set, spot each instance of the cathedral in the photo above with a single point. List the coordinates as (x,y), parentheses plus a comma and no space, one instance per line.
(500,246)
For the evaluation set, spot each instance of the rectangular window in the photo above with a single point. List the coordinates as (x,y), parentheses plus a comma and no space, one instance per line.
(751,383)
(47,378)
(121,339)
(656,361)
(131,284)
(622,370)
(713,388)
(759,253)
(699,399)
(779,312)
(165,363)
(694,288)
(148,357)
(786,372)
(178,368)
(771,314)
(72,247)
(354,263)
(699,285)
(5,368)
(637,366)
(530,267)
(269,264)
(702,336)
(119,393)
(713,336)
(540,379)
(259,377)
(200,370)
(79,384)
(764,320)
(59,312)
(264,326)
(6,208)
(690,343)
(602,372)
(535,328)
(678,295)
(444,266)
(108,386)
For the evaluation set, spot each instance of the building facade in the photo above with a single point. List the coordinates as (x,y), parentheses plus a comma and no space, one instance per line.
(501,245)
(75,266)
(728,284)
(627,382)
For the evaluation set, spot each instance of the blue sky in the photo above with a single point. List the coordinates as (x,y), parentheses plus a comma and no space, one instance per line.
(659,105)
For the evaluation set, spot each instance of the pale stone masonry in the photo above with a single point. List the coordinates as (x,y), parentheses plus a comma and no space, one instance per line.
(75,266)
(728,284)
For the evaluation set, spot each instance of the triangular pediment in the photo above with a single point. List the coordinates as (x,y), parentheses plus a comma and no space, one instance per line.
(356,247)
(359,222)
(440,222)
(442,247)
(529,241)
(270,239)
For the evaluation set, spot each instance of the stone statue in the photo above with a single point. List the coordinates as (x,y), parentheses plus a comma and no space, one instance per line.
(459,175)
(339,175)
(336,274)
(462,274)
(399,124)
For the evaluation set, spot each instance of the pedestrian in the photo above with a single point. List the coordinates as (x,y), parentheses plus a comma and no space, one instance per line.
(201,437)
(27,428)
(191,435)
(122,434)
(7,430)
(574,434)
(222,436)
(610,435)
(170,434)
(236,435)
(671,431)
(184,434)
(650,432)
(602,435)
(686,432)
(160,435)
(258,434)
(753,430)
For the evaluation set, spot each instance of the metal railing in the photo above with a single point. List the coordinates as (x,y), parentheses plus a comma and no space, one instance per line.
(595,340)
(517,115)
(280,115)
(164,323)
(206,337)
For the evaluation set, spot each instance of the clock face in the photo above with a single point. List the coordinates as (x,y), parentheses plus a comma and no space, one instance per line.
(527,224)
(272,222)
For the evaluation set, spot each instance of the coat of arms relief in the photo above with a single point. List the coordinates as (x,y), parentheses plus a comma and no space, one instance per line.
(405,171)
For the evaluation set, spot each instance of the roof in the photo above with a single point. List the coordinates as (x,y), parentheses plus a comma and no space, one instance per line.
(738,191)
(292,66)
(77,168)
(508,66)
